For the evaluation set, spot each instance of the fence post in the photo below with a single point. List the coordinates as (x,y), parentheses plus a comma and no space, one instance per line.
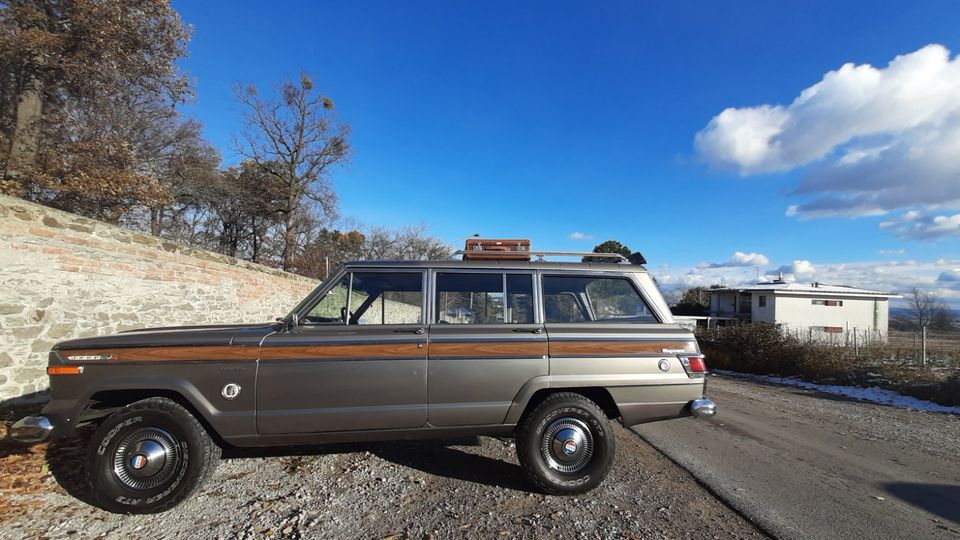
(923,334)
(856,346)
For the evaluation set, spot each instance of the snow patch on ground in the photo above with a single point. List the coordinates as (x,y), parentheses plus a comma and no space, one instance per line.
(871,394)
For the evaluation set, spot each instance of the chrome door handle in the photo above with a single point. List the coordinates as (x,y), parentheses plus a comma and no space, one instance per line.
(537,330)
(418,331)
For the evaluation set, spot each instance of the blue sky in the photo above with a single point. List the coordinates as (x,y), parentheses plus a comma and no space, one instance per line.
(547,119)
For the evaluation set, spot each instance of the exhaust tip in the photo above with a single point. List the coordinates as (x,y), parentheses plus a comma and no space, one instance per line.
(703,408)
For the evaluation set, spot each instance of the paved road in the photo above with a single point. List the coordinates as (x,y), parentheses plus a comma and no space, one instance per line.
(803,464)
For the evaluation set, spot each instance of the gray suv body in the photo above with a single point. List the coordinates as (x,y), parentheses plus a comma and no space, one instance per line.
(546,351)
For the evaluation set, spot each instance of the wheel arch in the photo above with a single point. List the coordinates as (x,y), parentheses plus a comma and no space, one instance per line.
(597,394)
(104,402)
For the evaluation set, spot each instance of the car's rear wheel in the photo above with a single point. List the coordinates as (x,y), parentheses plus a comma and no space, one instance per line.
(565,445)
(148,457)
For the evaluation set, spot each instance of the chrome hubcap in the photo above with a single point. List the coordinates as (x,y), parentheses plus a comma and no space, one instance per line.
(567,445)
(146,458)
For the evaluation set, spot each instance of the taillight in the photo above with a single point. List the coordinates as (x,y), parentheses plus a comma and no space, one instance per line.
(693,364)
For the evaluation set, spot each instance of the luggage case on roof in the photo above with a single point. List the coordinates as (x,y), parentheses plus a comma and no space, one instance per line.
(479,249)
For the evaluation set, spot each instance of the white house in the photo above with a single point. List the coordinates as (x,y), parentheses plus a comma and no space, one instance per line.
(805,309)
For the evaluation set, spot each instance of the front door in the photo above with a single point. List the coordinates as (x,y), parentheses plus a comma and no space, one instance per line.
(485,343)
(356,361)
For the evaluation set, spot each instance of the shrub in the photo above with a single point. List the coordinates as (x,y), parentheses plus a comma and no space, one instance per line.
(763,349)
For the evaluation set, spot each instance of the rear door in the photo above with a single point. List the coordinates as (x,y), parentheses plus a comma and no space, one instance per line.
(600,325)
(485,343)
(357,361)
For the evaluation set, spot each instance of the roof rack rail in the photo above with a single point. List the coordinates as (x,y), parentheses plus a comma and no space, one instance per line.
(541,254)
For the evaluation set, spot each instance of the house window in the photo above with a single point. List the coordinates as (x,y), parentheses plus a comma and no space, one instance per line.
(762,301)
(833,303)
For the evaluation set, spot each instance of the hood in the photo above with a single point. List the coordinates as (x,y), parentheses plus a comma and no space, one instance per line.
(232,334)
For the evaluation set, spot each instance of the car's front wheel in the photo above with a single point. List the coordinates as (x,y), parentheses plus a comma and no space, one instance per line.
(148,457)
(565,444)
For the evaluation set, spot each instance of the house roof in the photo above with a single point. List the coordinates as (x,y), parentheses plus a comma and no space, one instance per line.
(811,289)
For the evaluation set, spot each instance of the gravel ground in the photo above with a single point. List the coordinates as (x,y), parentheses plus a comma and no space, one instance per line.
(461,489)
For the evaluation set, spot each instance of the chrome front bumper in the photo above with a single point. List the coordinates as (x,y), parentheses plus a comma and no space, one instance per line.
(703,408)
(32,429)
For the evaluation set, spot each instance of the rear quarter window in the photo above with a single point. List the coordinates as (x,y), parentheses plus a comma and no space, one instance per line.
(593,299)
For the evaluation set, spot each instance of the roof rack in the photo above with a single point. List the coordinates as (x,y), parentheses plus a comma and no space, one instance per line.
(541,254)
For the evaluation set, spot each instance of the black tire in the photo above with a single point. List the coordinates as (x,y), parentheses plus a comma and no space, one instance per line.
(560,418)
(148,457)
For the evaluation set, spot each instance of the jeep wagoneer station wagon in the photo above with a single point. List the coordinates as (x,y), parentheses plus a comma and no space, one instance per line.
(495,344)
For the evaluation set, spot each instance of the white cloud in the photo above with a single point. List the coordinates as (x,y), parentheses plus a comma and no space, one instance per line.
(892,252)
(799,267)
(739,258)
(914,225)
(872,140)
(577,235)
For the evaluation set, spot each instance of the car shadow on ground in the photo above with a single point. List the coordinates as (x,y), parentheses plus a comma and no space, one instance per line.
(439,458)
(442,460)
(66,459)
(940,499)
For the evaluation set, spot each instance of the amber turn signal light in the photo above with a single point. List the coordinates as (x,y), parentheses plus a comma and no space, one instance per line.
(64,370)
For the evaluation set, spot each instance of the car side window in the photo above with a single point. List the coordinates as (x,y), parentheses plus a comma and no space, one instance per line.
(593,299)
(332,308)
(469,298)
(520,298)
(562,307)
(484,298)
(386,298)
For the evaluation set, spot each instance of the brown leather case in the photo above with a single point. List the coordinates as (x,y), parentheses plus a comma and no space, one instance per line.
(515,249)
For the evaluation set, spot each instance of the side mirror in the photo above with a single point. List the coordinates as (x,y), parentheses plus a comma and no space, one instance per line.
(294,321)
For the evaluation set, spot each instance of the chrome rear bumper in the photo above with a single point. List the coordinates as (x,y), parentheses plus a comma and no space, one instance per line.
(703,408)
(32,429)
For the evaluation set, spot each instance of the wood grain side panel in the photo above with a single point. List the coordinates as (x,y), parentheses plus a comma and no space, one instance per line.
(618,348)
(359,351)
(489,349)
(224,353)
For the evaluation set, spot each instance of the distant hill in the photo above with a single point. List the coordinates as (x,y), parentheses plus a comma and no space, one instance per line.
(902,312)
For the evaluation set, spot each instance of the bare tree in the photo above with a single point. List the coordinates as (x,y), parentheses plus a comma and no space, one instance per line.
(925,310)
(298,140)
(407,243)
(699,296)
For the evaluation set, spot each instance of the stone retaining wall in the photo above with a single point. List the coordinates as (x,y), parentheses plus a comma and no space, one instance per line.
(63,276)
